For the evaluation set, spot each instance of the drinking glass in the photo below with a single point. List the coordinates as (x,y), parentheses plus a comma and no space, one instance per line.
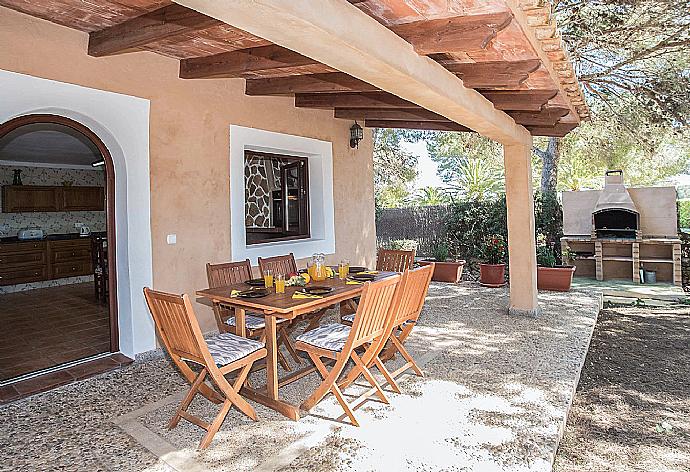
(280,283)
(343,269)
(268,278)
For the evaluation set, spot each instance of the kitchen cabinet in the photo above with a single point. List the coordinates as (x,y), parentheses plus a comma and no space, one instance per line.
(35,261)
(83,199)
(34,198)
(20,198)
(70,258)
(23,262)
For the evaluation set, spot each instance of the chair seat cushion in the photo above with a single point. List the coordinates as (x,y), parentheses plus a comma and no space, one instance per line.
(331,337)
(226,348)
(252,321)
(351,319)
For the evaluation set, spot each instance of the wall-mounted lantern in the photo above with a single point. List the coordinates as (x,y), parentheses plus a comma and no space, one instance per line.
(356,135)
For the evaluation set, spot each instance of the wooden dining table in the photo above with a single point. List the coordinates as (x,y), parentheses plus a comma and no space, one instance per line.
(276,306)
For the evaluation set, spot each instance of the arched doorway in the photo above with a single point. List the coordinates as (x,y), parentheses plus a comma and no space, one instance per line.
(63,252)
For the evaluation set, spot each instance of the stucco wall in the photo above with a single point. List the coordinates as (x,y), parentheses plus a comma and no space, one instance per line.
(189,146)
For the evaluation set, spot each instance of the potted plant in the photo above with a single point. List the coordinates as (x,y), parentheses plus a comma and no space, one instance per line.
(492,272)
(551,276)
(444,270)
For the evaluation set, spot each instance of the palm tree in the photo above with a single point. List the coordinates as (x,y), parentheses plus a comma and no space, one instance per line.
(429,196)
(477,179)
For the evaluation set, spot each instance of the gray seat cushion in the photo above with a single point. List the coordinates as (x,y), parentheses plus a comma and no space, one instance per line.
(227,348)
(351,319)
(252,321)
(331,337)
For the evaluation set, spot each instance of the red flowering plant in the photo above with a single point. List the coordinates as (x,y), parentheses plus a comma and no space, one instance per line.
(494,250)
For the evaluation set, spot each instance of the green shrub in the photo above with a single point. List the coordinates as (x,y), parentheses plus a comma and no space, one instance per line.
(441,251)
(469,224)
(471,221)
(684,213)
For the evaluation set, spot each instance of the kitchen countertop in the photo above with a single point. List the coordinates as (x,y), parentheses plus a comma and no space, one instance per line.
(51,237)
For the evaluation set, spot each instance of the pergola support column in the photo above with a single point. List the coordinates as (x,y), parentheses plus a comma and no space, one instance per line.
(521,239)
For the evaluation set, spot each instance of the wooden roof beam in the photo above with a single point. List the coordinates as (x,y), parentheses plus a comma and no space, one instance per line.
(398,114)
(241,62)
(494,73)
(322,30)
(456,34)
(145,29)
(548,116)
(423,125)
(519,100)
(559,130)
(351,100)
(329,82)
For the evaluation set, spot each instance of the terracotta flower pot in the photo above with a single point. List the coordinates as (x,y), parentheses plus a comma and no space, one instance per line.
(446,271)
(555,278)
(492,275)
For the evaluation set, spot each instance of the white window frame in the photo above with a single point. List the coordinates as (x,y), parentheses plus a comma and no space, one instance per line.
(319,156)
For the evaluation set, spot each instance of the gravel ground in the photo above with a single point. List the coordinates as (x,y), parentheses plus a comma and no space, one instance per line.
(632,407)
(494,398)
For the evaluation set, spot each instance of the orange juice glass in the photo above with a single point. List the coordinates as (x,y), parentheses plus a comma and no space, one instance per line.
(280,283)
(343,269)
(268,279)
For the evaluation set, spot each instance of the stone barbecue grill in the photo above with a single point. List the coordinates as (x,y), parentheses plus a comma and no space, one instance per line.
(614,232)
(615,214)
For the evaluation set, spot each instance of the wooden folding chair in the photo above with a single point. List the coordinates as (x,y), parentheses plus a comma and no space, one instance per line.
(338,342)
(286,265)
(413,288)
(410,306)
(230,273)
(393,260)
(180,333)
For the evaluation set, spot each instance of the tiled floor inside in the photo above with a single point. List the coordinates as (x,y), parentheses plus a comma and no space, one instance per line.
(49,326)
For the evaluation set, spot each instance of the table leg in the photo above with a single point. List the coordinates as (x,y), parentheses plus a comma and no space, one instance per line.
(271,357)
(240,325)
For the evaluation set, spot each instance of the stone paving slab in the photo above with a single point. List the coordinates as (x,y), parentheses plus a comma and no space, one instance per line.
(494,398)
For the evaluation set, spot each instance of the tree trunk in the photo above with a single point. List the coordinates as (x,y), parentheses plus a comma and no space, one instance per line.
(549,172)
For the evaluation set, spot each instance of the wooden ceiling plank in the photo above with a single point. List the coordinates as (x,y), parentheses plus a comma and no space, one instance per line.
(332,82)
(351,100)
(242,62)
(423,125)
(399,114)
(456,34)
(148,28)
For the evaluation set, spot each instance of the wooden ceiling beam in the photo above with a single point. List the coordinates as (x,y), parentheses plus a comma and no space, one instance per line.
(423,125)
(519,100)
(351,100)
(329,82)
(243,61)
(493,74)
(145,29)
(398,114)
(559,130)
(548,116)
(456,34)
